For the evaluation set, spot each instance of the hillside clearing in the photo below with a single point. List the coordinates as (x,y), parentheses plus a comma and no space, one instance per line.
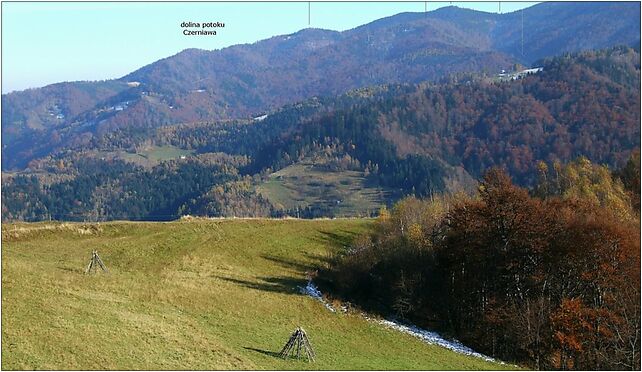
(203,294)
(343,193)
(154,155)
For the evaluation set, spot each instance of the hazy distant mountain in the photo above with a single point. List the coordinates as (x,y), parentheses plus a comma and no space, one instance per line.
(248,80)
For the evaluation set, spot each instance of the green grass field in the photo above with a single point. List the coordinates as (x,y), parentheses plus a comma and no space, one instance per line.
(345,193)
(203,294)
(154,155)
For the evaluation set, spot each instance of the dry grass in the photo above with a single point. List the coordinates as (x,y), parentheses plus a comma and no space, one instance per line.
(21,231)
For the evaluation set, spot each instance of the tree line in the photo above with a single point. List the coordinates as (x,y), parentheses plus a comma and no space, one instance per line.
(547,277)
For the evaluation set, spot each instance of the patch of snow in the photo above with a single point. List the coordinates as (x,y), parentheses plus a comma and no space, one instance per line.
(434,338)
(426,336)
(311,290)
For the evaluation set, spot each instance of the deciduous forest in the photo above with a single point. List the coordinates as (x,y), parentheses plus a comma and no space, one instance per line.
(548,277)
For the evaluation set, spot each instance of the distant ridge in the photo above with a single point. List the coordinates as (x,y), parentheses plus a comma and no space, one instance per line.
(243,81)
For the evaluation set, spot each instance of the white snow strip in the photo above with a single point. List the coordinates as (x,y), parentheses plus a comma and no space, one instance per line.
(311,290)
(429,337)
(434,338)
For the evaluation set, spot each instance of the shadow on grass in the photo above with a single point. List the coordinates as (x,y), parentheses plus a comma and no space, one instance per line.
(273,354)
(281,284)
(321,261)
(290,264)
(340,239)
(314,262)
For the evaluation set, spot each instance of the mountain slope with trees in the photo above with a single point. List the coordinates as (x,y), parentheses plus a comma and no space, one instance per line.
(248,80)
(407,139)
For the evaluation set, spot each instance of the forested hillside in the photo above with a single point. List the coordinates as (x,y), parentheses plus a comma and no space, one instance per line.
(408,139)
(245,81)
(547,277)
(584,105)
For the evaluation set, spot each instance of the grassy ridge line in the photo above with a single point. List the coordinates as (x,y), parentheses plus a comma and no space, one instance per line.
(202,294)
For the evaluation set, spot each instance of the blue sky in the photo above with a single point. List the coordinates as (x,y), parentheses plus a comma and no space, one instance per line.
(44,43)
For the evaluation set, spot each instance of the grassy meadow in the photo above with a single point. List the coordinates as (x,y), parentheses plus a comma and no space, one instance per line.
(346,193)
(201,294)
(154,155)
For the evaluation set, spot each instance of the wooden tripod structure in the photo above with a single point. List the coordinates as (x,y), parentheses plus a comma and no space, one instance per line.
(95,263)
(299,340)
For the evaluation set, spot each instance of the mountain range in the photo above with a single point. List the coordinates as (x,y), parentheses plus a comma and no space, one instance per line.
(245,81)
(322,123)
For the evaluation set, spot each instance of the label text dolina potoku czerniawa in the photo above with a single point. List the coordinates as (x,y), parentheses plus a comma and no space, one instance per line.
(202,28)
